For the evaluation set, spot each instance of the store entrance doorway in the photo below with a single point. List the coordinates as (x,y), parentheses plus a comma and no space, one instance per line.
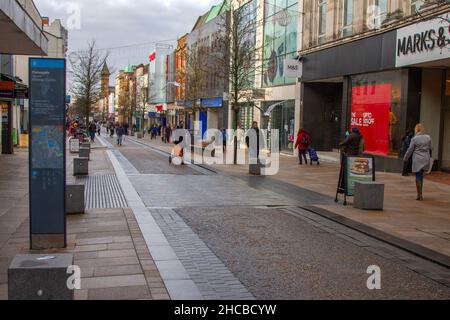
(322,113)
(445,164)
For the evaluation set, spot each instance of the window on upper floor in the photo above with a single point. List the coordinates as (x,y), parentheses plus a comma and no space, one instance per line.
(322,6)
(280,40)
(415,6)
(378,11)
(347,26)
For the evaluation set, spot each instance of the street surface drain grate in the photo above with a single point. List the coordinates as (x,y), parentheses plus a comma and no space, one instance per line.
(104,192)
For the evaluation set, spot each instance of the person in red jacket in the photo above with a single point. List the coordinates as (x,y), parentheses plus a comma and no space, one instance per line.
(303,143)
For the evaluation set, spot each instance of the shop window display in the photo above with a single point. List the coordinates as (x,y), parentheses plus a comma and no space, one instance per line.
(280,40)
(376,111)
(282,119)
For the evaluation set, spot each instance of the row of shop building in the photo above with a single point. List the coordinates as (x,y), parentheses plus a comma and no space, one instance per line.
(382,66)
(24,34)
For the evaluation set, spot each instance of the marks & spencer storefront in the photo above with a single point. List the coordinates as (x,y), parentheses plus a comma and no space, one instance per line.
(384,85)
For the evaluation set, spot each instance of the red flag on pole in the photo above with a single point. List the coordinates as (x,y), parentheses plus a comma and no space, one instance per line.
(152,56)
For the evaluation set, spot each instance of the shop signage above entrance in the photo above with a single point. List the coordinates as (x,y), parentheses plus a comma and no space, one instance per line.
(293,68)
(423,42)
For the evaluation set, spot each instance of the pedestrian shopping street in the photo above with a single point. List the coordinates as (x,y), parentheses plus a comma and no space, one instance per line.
(156,231)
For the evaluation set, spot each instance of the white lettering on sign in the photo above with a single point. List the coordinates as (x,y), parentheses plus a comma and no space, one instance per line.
(364,120)
(423,42)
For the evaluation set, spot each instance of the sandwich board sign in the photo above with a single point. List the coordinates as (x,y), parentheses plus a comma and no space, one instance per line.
(359,169)
(74,145)
(354,169)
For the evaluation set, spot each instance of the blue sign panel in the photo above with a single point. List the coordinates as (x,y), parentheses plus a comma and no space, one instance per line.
(47,151)
(153,115)
(212,103)
(188,104)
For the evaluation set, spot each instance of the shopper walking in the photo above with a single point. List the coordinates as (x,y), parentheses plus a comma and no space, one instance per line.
(354,144)
(420,150)
(303,143)
(111,130)
(406,142)
(254,148)
(168,134)
(224,139)
(120,133)
(92,130)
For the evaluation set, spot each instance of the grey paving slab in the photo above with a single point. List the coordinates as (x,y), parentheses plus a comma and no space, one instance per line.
(172,270)
(183,290)
(178,289)
(162,253)
(171,191)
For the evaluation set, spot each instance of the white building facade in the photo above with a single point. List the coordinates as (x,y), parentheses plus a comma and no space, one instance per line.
(279,39)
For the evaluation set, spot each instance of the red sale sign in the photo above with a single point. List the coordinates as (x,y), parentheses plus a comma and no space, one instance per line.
(371,106)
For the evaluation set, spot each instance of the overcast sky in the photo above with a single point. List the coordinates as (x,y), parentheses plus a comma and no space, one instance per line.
(115,23)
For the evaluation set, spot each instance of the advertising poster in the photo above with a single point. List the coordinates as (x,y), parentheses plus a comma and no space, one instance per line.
(359,169)
(370,113)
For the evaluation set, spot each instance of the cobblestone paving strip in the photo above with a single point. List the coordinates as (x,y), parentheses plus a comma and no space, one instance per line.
(214,280)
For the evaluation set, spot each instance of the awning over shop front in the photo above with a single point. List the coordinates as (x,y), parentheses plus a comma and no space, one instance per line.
(21,30)
(12,88)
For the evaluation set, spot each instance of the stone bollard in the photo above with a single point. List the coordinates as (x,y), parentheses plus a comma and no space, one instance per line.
(80,166)
(255,169)
(40,277)
(84,153)
(139,135)
(86,145)
(75,199)
(369,196)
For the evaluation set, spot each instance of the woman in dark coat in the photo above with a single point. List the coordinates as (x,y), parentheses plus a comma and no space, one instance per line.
(353,145)
(406,142)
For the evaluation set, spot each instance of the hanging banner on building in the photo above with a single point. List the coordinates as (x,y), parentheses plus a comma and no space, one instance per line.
(423,42)
(47,153)
(371,113)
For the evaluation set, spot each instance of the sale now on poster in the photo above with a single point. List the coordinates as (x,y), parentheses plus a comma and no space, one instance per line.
(370,113)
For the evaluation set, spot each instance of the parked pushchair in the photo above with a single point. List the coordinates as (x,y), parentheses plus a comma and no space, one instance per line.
(313,156)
